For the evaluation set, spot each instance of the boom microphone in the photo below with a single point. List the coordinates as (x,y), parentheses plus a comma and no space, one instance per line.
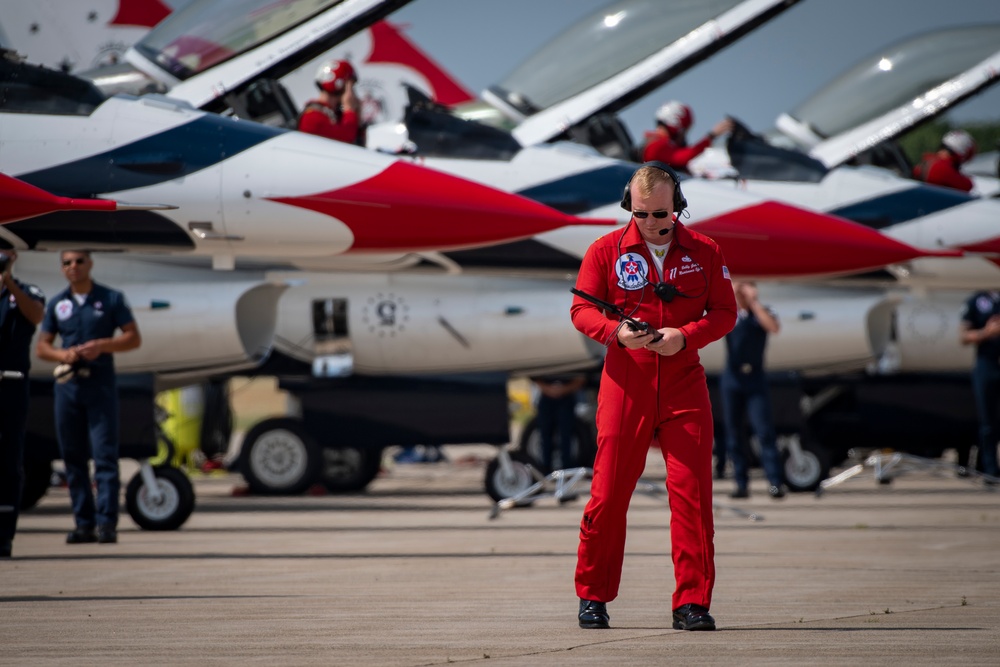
(664,232)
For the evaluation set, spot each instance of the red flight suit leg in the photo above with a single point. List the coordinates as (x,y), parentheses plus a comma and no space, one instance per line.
(686,441)
(681,420)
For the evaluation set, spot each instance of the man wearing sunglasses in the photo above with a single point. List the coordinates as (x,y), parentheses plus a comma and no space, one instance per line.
(652,389)
(21,309)
(86,316)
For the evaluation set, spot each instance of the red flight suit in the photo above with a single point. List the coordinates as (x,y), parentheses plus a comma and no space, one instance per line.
(645,395)
(943,171)
(325,121)
(662,147)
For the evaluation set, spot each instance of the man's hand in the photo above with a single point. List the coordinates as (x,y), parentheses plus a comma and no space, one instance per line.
(992,327)
(673,341)
(89,350)
(724,126)
(748,292)
(350,99)
(633,340)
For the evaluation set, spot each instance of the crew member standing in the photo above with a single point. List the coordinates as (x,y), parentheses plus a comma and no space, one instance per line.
(21,309)
(674,279)
(336,113)
(981,327)
(668,142)
(86,316)
(942,168)
(744,391)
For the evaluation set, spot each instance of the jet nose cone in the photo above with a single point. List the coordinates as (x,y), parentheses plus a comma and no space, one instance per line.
(775,240)
(406,207)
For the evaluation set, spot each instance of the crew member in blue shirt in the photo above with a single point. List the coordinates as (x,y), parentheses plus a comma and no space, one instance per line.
(981,327)
(745,391)
(86,316)
(21,309)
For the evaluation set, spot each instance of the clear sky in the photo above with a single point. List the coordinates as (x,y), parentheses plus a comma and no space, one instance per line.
(767,72)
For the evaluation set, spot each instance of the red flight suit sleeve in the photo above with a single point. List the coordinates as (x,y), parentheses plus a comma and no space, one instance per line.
(316,122)
(720,308)
(674,155)
(944,173)
(593,279)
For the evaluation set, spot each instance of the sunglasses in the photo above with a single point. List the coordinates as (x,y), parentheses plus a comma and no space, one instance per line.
(642,215)
(71,262)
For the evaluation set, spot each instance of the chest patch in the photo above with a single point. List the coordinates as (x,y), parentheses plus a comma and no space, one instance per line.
(631,269)
(64,309)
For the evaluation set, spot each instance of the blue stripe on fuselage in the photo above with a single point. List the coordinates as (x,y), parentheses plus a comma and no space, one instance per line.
(902,206)
(584,191)
(174,153)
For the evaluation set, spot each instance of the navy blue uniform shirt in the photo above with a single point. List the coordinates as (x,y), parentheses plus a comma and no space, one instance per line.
(745,345)
(978,309)
(16,330)
(104,311)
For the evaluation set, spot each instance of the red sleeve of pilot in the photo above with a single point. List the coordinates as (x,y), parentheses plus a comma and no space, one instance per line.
(593,279)
(942,173)
(312,122)
(720,309)
(347,130)
(680,156)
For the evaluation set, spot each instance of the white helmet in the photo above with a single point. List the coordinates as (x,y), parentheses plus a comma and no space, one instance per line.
(676,116)
(960,143)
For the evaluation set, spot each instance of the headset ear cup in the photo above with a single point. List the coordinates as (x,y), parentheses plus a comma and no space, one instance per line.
(627,197)
(680,203)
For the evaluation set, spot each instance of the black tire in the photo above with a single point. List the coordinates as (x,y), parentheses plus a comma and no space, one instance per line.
(813,468)
(500,486)
(347,469)
(37,480)
(584,446)
(278,457)
(174,507)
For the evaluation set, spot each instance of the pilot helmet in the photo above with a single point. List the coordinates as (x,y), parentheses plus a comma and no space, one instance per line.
(676,116)
(960,143)
(333,76)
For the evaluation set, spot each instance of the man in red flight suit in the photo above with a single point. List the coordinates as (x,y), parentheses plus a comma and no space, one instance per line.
(942,168)
(653,390)
(335,114)
(668,142)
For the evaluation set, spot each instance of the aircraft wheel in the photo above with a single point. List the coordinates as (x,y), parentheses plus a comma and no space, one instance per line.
(350,468)
(500,485)
(174,506)
(584,446)
(279,458)
(37,480)
(806,473)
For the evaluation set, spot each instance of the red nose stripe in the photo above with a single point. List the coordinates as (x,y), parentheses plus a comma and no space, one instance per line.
(421,209)
(772,239)
(19,200)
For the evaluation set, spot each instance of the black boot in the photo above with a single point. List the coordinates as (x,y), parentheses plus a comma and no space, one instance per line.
(594,614)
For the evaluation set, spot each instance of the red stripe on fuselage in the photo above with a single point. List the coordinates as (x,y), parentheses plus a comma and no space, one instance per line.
(406,207)
(772,239)
(145,13)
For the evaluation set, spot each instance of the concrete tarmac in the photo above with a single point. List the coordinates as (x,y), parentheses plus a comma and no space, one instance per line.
(413,572)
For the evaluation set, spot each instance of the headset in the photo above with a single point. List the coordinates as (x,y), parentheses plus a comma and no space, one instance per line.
(680,203)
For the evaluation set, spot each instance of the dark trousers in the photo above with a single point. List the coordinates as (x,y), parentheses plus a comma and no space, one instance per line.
(749,396)
(87,426)
(13,413)
(556,418)
(986,388)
